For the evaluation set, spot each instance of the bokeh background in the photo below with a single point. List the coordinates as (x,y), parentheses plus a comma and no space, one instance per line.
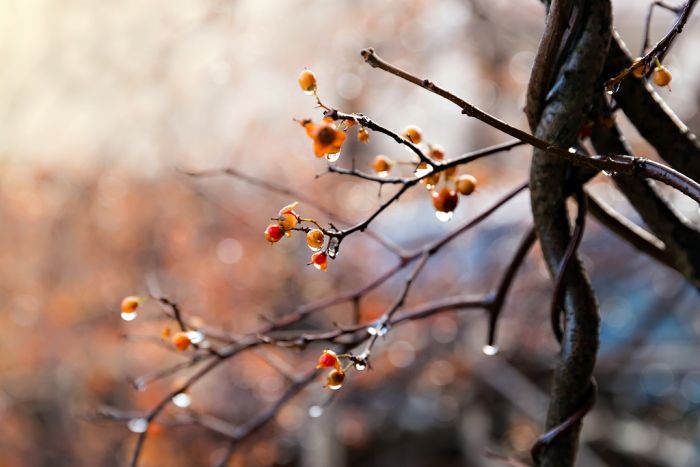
(104,104)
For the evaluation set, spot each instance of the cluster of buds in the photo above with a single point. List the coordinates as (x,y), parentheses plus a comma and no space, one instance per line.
(445,199)
(288,221)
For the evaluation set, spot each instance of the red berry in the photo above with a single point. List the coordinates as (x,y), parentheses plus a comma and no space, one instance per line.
(328,359)
(274,233)
(446,200)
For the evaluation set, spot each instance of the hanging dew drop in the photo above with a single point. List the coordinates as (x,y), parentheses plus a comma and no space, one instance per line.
(382,174)
(360,366)
(310,92)
(444,216)
(129,316)
(140,384)
(423,169)
(490,350)
(182,400)
(195,336)
(333,157)
(335,387)
(137,425)
(572,150)
(315,411)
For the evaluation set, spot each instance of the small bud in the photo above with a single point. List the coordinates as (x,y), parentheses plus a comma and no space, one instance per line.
(130,304)
(466,184)
(181,341)
(335,379)
(320,261)
(328,359)
(314,239)
(274,233)
(446,200)
(307,81)
(662,77)
(413,134)
(363,135)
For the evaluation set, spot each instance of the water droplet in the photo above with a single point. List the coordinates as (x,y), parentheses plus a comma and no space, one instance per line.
(333,157)
(314,248)
(444,216)
(490,350)
(332,250)
(382,174)
(129,316)
(182,400)
(315,411)
(360,366)
(140,384)
(572,150)
(335,387)
(378,329)
(423,169)
(309,93)
(138,425)
(195,336)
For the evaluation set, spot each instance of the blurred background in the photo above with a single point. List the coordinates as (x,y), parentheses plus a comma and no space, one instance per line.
(104,104)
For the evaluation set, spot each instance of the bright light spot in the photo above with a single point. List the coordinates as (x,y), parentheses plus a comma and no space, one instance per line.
(138,425)
(315,411)
(229,251)
(182,400)
(129,316)
(490,350)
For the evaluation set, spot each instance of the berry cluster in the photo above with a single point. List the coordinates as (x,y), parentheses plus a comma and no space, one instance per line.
(445,199)
(287,222)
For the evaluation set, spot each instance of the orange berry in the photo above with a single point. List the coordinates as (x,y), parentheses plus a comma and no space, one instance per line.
(661,76)
(413,134)
(273,233)
(181,341)
(466,184)
(382,164)
(437,152)
(130,304)
(307,81)
(328,359)
(363,135)
(446,200)
(314,239)
(288,219)
(639,69)
(335,379)
(320,261)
